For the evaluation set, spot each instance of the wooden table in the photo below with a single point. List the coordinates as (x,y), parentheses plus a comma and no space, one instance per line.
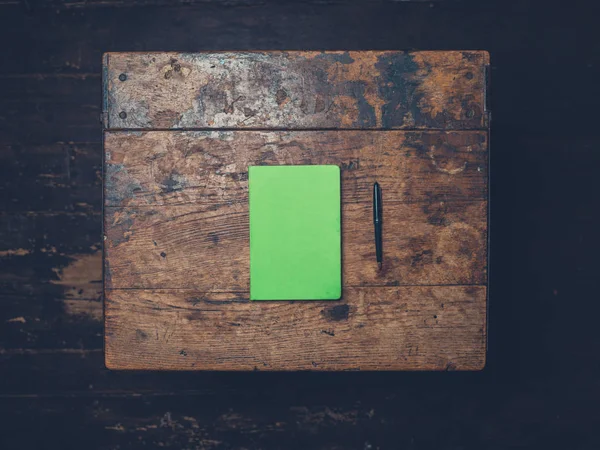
(180,133)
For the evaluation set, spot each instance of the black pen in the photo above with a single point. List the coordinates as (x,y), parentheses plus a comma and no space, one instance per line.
(377,221)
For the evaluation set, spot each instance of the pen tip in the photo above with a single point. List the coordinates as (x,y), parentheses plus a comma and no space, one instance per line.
(379,265)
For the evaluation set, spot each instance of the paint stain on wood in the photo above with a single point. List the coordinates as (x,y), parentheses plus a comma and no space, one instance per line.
(81,280)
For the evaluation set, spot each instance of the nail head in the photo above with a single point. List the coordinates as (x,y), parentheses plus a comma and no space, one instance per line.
(123,115)
(122,77)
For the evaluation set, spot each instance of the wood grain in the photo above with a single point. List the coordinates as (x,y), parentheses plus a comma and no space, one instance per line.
(176,214)
(389,328)
(296,90)
(51,282)
(60,109)
(64,177)
(211,167)
(207,248)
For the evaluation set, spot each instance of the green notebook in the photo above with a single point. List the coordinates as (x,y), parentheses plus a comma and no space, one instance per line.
(295,234)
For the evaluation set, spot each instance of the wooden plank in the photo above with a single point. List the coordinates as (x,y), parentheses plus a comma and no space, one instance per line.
(58,318)
(46,110)
(296,90)
(398,328)
(211,167)
(49,234)
(206,248)
(204,174)
(51,282)
(53,41)
(61,5)
(322,415)
(62,177)
(79,372)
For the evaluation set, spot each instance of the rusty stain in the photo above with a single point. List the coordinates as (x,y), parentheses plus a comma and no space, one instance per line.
(346,107)
(300,89)
(364,71)
(442,75)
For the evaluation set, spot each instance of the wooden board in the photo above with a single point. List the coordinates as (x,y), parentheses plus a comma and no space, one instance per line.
(169,191)
(296,90)
(387,328)
(211,167)
(202,248)
(176,266)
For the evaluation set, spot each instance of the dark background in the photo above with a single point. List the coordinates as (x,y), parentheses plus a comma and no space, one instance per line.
(541,386)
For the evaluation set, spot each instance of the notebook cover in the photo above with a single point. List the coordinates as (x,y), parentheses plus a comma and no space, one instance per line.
(295,233)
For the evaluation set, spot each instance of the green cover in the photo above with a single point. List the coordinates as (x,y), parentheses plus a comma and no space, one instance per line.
(295,233)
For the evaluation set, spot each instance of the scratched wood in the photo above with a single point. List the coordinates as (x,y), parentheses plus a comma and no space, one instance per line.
(176,214)
(207,248)
(211,167)
(391,89)
(387,328)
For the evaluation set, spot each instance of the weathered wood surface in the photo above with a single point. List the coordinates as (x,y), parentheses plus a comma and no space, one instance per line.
(390,328)
(211,167)
(51,282)
(176,214)
(318,414)
(296,90)
(65,177)
(180,189)
(207,248)
(59,109)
